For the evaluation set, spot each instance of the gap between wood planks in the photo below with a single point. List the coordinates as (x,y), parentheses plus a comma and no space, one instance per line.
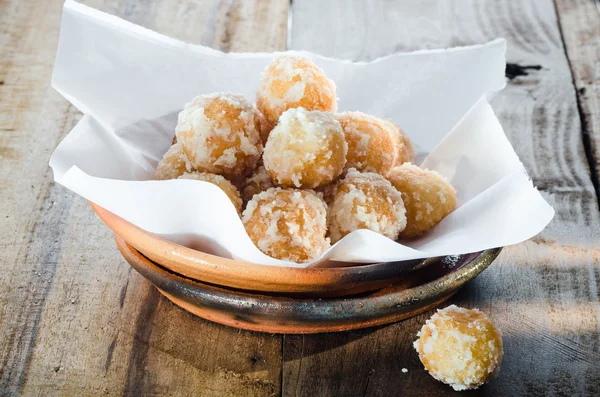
(584,117)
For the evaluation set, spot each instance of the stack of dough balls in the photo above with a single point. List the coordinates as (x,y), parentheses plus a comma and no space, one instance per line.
(306,175)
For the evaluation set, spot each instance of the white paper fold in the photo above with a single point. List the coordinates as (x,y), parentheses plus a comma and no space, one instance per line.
(131,82)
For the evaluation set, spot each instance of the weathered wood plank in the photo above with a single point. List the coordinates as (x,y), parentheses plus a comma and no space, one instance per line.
(579,21)
(29,248)
(543,293)
(74,318)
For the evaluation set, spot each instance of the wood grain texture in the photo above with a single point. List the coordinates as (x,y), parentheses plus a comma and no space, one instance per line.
(580,27)
(74,318)
(543,293)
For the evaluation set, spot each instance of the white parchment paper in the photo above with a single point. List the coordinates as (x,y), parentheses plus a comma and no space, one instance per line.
(130,83)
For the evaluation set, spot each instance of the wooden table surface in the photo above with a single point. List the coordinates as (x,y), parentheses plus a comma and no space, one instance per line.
(76,320)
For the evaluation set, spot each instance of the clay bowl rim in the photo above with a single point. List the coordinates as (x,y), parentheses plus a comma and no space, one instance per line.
(249,276)
(280,314)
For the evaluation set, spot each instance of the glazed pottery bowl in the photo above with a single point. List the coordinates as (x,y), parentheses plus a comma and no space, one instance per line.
(230,273)
(415,293)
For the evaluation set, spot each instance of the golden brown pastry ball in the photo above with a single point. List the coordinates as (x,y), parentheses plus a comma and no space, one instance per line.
(372,142)
(220,133)
(365,201)
(173,164)
(307,149)
(221,182)
(258,182)
(460,347)
(405,151)
(428,197)
(292,82)
(287,224)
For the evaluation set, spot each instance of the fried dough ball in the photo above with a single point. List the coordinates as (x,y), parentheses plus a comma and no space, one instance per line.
(221,182)
(372,142)
(427,196)
(292,82)
(307,149)
(287,224)
(460,347)
(365,201)
(405,151)
(220,133)
(172,165)
(258,182)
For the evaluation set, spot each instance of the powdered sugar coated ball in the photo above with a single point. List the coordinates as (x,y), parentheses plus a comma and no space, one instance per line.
(307,149)
(287,224)
(427,196)
(292,82)
(372,142)
(221,182)
(173,164)
(460,347)
(365,201)
(219,133)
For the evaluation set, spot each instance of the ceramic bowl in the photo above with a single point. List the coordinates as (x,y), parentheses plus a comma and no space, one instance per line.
(230,273)
(417,292)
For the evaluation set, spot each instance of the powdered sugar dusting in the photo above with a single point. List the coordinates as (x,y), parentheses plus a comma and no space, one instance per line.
(218,132)
(460,347)
(371,141)
(427,196)
(307,149)
(287,224)
(290,82)
(366,201)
